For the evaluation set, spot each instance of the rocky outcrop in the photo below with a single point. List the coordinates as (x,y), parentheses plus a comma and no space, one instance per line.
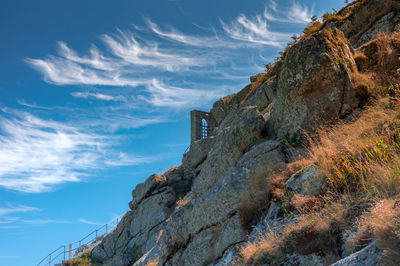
(189,215)
(367,20)
(314,85)
(307,182)
(214,212)
(370,255)
(152,203)
(198,152)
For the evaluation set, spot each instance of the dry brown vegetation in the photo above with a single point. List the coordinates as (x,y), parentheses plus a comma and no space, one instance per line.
(182,202)
(305,203)
(255,200)
(152,263)
(313,233)
(360,161)
(383,224)
(378,66)
(383,58)
(83,260)
(159,178)
(349,149)
(259,194)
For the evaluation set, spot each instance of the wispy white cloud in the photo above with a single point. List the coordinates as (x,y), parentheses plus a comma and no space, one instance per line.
(10,208)
(128,159)
(215,41)
(255,30)
(125,46)
(8,227)
(110,118)
(42,221)
(84,221)
(8,222)
(151,59)
(98,96)
(37,154)
(31,105)
(163,95)
(296,13)
(63,71)
(128,57)
(120,119)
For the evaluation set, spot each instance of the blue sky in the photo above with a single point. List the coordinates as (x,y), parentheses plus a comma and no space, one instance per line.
(95,97)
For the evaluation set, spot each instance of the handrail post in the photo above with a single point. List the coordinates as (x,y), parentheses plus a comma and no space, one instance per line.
(70,251)
(64,252)
(50,260)
(106,228)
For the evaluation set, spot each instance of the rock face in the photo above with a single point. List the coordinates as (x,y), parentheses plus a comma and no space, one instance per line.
(189,214)
(204,228)
(314,85)
(370,255)
(198,152)
(138,232)
(308,182)
(367,21)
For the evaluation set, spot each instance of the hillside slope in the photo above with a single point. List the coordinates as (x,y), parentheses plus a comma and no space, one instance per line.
(252,194)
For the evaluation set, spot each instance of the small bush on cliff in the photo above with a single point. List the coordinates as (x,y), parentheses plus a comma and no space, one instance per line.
(83,260)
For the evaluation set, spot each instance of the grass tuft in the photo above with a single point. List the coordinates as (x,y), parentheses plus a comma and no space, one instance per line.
(83,260)
(383,224)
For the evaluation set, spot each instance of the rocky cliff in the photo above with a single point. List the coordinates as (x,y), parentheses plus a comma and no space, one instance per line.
(223,199)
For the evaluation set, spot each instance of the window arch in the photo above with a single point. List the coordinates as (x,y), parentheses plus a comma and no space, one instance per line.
(204,128)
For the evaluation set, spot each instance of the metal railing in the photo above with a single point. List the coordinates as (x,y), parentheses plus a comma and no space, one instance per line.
(71,248)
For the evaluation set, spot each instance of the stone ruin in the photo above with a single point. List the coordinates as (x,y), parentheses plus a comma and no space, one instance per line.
(202,125)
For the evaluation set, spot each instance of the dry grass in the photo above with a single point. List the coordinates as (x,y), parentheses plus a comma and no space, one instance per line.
(264,250)
(311,28)
(159,178)
(364,86)
(335,16)
(84,260)
(152,262)
(346,153)
(383,224)
(160,233)
(361,60)
(305,204)
(388,52)
(313,233)
(378,61)
(255,200)
(182,202)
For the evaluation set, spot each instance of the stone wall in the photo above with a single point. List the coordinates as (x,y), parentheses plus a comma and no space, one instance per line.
(198,128)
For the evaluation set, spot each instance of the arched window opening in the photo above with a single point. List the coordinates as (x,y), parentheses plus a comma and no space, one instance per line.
(204,129)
